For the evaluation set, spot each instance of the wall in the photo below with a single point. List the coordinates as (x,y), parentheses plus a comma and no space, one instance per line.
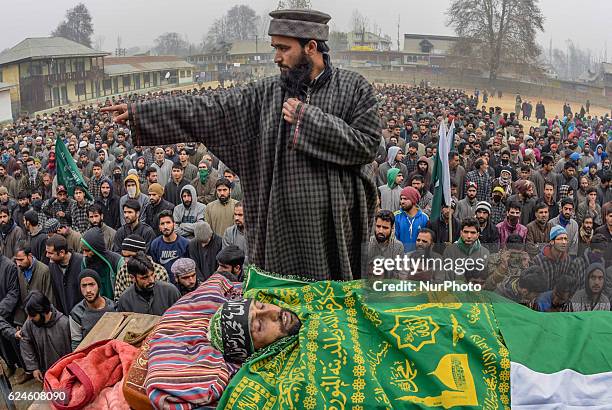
(6,113)
(10,74)
(553,89)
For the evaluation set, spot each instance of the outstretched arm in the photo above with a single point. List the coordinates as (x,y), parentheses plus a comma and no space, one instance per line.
(216,119)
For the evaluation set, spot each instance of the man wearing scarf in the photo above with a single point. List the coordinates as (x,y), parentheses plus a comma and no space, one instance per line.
(312,126)
(101,260)
(511,225)
(204,183)
(525,192)
(467,247)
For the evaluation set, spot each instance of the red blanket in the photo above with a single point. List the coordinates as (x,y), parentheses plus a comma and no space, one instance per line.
(84,374)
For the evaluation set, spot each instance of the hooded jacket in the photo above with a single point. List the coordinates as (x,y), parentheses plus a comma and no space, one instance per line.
(110,207)
(9,237)
(584,300)
(205,257)
(104,262)
(142,199)
(391,163)
(185,218)
(390,193)
(41,346)
(154,211)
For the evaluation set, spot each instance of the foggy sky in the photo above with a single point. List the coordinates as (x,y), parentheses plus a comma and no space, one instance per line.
(139,22)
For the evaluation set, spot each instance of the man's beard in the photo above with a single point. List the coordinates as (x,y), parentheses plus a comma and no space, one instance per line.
(187,204)
(223,199)
(295,328)
(381,238)
(293,80)
(95,297)
(407,208)
(482,221)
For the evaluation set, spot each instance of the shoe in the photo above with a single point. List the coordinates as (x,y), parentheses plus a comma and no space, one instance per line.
(23,378)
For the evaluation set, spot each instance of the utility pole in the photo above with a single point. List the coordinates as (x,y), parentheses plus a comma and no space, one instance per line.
(398,32)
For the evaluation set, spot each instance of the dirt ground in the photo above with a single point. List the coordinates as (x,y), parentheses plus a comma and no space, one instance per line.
(553,107)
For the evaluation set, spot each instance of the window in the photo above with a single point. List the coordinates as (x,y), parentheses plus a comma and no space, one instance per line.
(108,84)
(36,68)
(79,66)
(182,75)
(188,73)
(126,81)
(147,78)
(0,76)
(79,89)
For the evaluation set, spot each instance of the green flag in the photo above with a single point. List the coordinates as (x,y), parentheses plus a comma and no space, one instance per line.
(68,174)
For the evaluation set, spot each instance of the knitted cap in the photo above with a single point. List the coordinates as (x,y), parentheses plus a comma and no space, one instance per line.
(52,225)
(412,194)
(483,206)
(556,231)
(134,243)
(156,188)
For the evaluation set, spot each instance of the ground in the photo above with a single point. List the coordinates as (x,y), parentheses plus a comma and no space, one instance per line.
(553,107)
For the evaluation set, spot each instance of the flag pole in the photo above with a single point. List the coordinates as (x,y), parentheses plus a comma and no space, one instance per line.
(450,224)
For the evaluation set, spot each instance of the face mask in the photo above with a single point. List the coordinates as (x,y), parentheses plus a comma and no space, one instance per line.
(203,175)
(131,191)
(513,220)
(31,169)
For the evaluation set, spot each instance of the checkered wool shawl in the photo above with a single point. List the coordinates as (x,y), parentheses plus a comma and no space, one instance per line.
(308,200)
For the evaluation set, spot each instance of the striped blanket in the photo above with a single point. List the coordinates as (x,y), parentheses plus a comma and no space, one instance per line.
(184,370)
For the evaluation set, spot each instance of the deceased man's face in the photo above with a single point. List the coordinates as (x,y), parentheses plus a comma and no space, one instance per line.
(269,323)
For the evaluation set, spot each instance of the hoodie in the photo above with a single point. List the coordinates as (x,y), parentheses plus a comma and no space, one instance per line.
(110,207)
(584,300)
(142,199)
(390,193)
(205,256)
(185,218)
(104,262)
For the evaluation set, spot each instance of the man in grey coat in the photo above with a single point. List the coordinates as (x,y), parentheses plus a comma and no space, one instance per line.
(313,126)
(45,336)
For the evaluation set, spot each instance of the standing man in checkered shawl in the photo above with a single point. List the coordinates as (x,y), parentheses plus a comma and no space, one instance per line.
(299,142)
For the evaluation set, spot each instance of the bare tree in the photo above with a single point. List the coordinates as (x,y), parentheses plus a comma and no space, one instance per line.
(243,22)
(294,4)
(171,44)
(498,30)
(239,23)
(99,44)
(77,26)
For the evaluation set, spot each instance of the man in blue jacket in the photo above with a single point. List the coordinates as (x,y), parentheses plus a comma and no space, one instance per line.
(409,220)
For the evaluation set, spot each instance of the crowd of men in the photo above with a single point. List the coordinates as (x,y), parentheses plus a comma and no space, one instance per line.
(154,223)
(151,225)
(535,203)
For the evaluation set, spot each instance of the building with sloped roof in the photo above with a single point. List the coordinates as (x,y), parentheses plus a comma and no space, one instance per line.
(51,71)
(133,73)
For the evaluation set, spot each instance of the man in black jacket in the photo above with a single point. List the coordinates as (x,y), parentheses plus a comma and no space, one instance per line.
(65,268)
(133,226)
(109,203)
(489,236)
(157,204)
